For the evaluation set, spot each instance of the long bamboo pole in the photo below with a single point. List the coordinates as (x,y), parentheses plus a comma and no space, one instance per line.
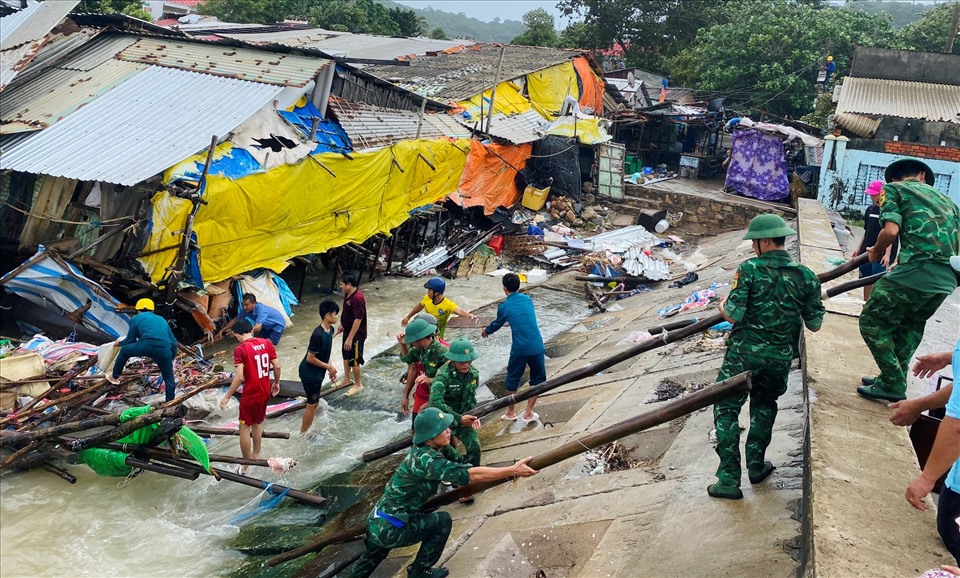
(122,430)
(598,366)
(226,431)
(672,410)
(15,438)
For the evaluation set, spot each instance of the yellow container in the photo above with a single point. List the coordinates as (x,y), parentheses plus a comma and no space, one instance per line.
(534,199)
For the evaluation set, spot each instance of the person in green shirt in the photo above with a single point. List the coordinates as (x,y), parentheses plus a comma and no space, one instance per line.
(424,355)
(771,298)
(454,391)
(398,519)
(892,322)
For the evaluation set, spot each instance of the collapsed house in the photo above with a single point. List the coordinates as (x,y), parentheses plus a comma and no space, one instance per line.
(893,103)
(163,163)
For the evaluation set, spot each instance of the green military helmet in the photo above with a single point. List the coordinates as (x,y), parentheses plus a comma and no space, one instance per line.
(462,350)
(911,164)
(768,226)
(418,329)
(430,423)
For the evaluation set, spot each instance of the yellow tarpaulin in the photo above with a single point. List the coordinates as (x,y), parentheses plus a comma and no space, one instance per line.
(490,176)
(547,88)
(508,100)
(587,129)
(264,219)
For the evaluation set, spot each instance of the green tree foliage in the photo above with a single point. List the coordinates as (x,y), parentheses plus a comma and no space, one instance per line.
(539,29)
(354,16)
(650,31)
(767,52)
(462,26)
(410,24)
(438,34)
(901,13)
(246,11)
(823,107)
(930,32)
(132,8)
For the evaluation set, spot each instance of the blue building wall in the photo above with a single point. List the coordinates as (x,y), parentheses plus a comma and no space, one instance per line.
(845,173)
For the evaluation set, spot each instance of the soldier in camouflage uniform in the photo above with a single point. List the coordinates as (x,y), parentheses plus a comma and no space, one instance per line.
(893,319)
(397,520)
(420,345)
(770,297)
(454,391)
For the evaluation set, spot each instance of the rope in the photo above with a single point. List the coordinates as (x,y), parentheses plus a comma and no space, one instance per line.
(45,217)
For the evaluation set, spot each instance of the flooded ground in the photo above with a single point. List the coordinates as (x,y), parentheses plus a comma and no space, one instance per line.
(160,526)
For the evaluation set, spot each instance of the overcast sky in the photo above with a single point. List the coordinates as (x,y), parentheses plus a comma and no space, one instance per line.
(487,10)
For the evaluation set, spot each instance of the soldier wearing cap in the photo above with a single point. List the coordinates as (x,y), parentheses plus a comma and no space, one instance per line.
(454,391)
(893,319)
(398,519)
(420,347)
(149,336)
(770,298)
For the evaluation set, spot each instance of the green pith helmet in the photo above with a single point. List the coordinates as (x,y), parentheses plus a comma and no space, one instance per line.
(914,164)
(418,329)
(429,424)
(462,350)
(768,226)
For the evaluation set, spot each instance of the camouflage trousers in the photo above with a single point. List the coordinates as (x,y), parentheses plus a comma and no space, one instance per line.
(432,529)
(892,324)
(769,381)
(470,439)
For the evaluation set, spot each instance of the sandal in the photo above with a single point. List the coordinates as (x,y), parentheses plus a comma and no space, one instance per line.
(506,417)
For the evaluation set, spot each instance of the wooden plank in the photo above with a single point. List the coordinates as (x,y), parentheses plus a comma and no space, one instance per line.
(458,322)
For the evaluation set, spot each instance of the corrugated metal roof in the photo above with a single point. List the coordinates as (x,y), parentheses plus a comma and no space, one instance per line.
(371,127)
(463,74)
(57,47)
(520,128)
(859,124)
(356,45)
(900,98)
(13,60)
(140,128)
(33,22)
(56,92)
(227,61)
(99,50)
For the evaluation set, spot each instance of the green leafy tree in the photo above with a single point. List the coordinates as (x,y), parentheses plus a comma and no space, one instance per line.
(410,24)
(132,8)
(540,29)
(354,16)
(246,11)
(767,52)
(901,13)
(823,107)
(649,31)
(438,34)
(929,34)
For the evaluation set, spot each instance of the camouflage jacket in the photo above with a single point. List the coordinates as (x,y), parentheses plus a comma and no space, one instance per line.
(771,296)
(454,392)
(432,358)
(415,481)
(929,222)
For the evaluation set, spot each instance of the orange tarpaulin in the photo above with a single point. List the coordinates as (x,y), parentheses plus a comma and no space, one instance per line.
(489,176)
(593,87)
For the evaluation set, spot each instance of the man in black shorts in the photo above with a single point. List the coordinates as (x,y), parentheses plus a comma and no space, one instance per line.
(353,325)
(316,363)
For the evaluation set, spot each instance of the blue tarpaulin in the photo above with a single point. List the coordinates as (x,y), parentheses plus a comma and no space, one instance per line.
(331,138)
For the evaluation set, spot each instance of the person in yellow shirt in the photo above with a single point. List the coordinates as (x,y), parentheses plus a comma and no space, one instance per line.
(437,305)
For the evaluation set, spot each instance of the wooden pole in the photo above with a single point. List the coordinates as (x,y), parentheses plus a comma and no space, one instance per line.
(15,438)
(493,91)
(216,381)
(63,381)
(226,431)
(598,366)
(94,389)
(277,489)
(67,476)
(672,410)
(122,430)
(952,34)
(851,285)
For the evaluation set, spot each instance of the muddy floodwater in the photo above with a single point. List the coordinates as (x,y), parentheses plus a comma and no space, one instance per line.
(156,525)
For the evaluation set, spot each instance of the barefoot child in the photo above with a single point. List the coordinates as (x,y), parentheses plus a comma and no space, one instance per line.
(316,363)
(252,360)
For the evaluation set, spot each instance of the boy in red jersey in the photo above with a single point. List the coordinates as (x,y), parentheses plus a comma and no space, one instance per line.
(252,360)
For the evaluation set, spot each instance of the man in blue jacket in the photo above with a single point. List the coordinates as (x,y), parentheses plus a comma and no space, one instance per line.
(527,347)
(149,336)
(267,322)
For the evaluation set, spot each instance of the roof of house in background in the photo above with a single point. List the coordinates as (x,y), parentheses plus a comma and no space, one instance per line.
(908,65)
(23,34)
(878,98)
(371,127)
(140,127)
(461,74)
